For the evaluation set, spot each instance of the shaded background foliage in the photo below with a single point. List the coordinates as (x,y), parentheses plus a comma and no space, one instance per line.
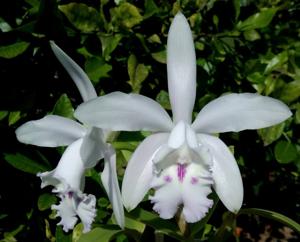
(241,46)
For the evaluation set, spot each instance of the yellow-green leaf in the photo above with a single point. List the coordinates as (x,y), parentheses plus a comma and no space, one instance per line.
(11,51)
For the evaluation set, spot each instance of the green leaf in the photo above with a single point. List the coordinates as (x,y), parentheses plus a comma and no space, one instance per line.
(163,99)
(45,201)
(126,15)
(251,35)
(97,68)
(285,152)
(14,117)
(258,20)
(271,134)
(276,61)
(63,107)
(103,234)
(3,115)
(160,56)
(290,92)
(150,8)
(137,73)
(154,221)
(272,215)
(109,44)
(4,26)
(23,163)
(61,236)
(83,17)
(11,51)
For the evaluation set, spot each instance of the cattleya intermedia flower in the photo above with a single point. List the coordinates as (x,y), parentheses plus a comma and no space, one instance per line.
(182,159)
(86,146)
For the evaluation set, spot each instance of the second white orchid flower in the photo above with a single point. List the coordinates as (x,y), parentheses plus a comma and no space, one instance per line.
(182,160)
(86,146)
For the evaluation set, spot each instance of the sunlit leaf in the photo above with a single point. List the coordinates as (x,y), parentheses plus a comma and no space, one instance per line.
(63,107)
(3,114)
(137,73)
(109,44)
(97,68)
(11,51)
(126,15)
(163,99)
(285,152)
(160,56)
(13,117)
(272,215)
(103,234)
(291,91)
(258,20)
(277,61)
(23,163)
(271,134)
(251,35)
(83,17)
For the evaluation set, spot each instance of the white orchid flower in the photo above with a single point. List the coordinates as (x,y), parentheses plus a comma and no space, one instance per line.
(86,146)
(182,160)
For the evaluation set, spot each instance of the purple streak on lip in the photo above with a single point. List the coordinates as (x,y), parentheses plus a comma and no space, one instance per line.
(181,170)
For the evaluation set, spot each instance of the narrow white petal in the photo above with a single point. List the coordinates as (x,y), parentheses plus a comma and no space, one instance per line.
(93,147)
(225,172)
(109,180)
(181,66)
(236,112)
(80,78)
(120,111)
(139,171)
(50,131)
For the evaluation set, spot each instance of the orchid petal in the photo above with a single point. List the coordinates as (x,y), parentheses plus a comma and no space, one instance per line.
(80,78)
(50,131)
(177,135)
(128,112)
(75,204)
(139,171)
(181,66)
(92,147)
(109,180)
(167,197)
(225,172)
(196,188)
(69,171)
(236,112)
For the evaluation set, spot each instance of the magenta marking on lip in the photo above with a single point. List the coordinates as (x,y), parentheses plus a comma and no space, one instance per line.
(181,170)
(194,180)
(167,179)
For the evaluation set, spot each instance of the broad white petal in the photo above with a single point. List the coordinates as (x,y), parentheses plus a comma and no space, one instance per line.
(93,147)
(139,171)
(69,171)
(181,66)
(225,172)
(120,111)
(109,180)
(50,131)
(236,112)
(80,78)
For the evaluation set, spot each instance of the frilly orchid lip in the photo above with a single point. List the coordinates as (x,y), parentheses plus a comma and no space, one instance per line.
(86,146)
(183,159)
